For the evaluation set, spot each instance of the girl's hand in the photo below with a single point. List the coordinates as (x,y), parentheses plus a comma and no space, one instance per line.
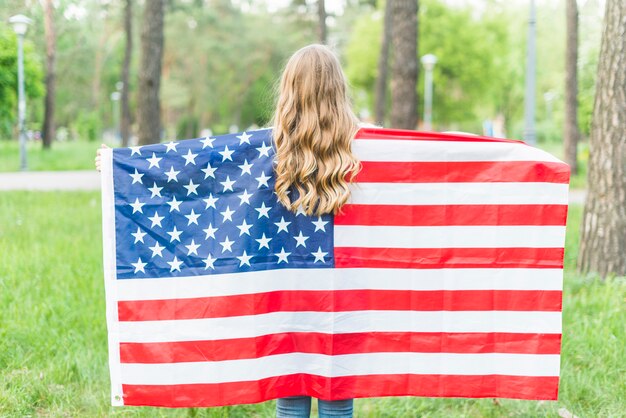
(98,159)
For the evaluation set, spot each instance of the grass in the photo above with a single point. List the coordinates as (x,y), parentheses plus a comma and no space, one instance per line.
(53,349)
(74,155)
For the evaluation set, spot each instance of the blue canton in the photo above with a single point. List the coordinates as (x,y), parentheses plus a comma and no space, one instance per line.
(207,206)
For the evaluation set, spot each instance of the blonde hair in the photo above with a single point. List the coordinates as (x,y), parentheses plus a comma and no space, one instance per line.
(313,130)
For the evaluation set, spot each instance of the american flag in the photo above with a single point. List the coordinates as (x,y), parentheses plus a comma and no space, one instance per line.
(441,278)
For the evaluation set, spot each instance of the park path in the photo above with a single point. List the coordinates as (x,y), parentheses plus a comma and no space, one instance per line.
(90,180)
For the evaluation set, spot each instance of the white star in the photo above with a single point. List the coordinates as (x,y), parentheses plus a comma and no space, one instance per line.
(245,197)
(207,142)
(170,146)
(210,231)
(319,224)
(226,154)
(175,264)
(244,259)
(209,171)
(175,234)
(190,158)
(264,150)
(174,204)
(263,211)
(264,242)
(228,184)
(157,249)
(263,180)
(245,168)
(301,240)
(210,201)
(156,219)
(282,225)
(193,217)
(135,150)
(138,235)
(300,211)
(244,138)
(227,245)
(319,255)
(171,175)
(227,214)
(244,228)
(154,161)
(191,188)
(192,248)
(136,177)
(139,265)
(137,206)
(209,262)
(282,256)
(156,191)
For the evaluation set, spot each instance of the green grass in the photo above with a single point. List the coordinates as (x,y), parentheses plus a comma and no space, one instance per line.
(53,348)
(74,155)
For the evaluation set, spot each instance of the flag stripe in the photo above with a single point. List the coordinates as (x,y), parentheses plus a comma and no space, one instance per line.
(339,301)
(403,134)
(462,172)
(337,344)
(417,237)
(444,215)
(419,258)
(340,323)
(340,279)
(394,151)
(340,365)
(459,193)
(206,395)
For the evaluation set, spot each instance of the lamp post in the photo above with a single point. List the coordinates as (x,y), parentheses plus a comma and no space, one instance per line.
(428,61)
(20,26)
(529,96)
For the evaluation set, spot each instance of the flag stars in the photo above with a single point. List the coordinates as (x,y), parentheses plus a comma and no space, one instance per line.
(244,228)
(209,262)
(156,191)
(192,248)
(190,158)
(244,259)
(157,250)
(175,234)
(170,146)
(245,197)
(171,175)
(210,201)
(263,180)
(228,184)
(175,264)
(191,188)
(282,256)
(319,255)
(139,266)
(156,219)
(137,206)
(263,210)
(135,150)
(226,154)
(138,235)
(227,214)
(264,150)
(244,138)
(154,161)
(300,211)
(207,142)
(174,204)
(210,231)
(301,240)
(264,242)
(245,167)
(282,225)
(319,224)
(227,245)
(209,171)
(136,177)
(192,217)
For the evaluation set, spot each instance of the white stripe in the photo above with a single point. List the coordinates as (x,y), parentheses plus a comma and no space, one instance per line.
(340,279)
(458,193)
(402,150)
(341,365)
(340,322)
(450,236)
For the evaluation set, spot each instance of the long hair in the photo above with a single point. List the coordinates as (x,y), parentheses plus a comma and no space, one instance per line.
(313,129)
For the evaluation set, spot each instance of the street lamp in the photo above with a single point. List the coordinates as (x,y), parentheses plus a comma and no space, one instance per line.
(428,61)
(20,26)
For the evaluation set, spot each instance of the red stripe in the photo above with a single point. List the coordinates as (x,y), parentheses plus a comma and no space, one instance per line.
(463,172)
(422,258)
(340,301)
(380,133)
(459,386)
(338,344)
(446,215)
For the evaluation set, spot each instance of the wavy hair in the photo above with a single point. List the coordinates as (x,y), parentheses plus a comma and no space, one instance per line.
(313,129)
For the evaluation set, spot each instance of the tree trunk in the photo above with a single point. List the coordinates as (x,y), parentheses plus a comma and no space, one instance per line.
(321,12)
(383,65)
(571,134)
(404,68)
(603,229)
(48,130)
(149,108)
(125,116)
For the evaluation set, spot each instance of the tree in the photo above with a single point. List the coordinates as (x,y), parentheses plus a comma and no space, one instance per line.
(603,229)
(383,65)
(128,50)
(571,133)
(149,107)
(48,130)
(404,67)
(321,13)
